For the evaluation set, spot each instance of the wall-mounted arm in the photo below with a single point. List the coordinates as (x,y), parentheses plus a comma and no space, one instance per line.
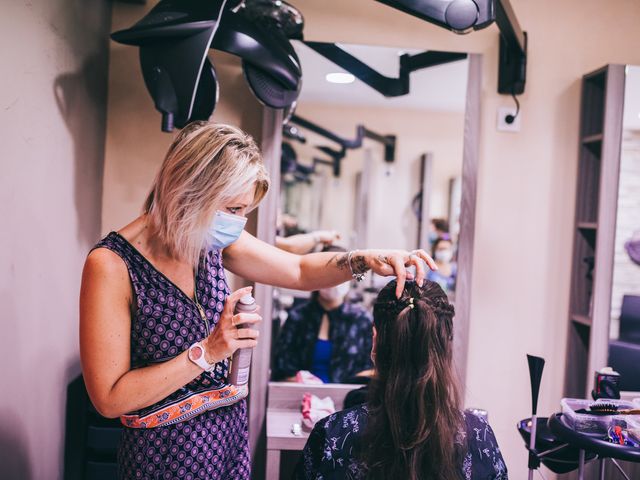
(512,69)
(459,16)
(336,157)
(388,141)
(387,86)
(293,132)
(343,142)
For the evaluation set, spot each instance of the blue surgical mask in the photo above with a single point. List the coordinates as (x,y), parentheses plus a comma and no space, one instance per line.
(225,229)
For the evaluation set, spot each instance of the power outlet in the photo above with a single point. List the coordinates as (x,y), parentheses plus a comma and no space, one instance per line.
(503,125)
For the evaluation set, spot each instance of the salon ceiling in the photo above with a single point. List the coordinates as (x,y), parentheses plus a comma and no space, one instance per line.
(435,88)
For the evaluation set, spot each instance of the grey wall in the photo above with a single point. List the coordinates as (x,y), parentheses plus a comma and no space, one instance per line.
(53,83)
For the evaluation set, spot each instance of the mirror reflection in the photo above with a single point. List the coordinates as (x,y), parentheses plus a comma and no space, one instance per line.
(624,346)
(361,170)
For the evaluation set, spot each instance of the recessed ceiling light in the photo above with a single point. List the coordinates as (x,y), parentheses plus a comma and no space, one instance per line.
(340,77)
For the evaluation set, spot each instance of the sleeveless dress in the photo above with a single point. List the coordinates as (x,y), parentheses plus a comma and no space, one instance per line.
(209,444)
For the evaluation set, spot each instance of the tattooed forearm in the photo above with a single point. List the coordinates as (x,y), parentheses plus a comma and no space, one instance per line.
(342,261)
(359,264)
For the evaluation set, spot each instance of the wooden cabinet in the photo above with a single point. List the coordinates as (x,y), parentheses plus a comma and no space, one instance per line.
(594,233)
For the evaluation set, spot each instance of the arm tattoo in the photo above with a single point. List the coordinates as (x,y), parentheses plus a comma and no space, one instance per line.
(384,259)
(359,264)
(342,261)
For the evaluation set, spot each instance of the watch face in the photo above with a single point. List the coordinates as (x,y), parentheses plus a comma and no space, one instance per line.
(196,352)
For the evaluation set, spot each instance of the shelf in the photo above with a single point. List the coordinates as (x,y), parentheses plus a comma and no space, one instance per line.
(593,143)
(596,138)
(587,225)
(581,320)
(601,108)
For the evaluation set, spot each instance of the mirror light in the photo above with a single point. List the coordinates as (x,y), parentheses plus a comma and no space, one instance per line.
(340,77)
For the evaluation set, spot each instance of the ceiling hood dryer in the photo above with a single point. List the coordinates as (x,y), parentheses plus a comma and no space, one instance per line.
(175,36)
(463,16)
(174,39)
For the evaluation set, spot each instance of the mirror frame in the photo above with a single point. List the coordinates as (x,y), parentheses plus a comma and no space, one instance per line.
(266,230)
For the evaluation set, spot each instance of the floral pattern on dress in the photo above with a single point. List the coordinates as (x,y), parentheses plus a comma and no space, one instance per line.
(330,450)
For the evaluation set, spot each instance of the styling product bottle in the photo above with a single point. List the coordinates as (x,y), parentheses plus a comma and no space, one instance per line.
(241,360)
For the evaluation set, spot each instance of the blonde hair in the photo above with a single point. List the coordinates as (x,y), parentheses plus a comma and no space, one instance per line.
(207,165)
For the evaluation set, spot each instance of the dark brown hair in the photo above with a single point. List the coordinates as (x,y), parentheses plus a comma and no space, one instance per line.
(414,401)
(440,224)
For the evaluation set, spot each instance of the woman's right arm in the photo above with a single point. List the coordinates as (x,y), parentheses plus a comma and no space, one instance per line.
(105,327)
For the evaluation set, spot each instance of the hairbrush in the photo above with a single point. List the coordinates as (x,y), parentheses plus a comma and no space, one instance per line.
(605,408)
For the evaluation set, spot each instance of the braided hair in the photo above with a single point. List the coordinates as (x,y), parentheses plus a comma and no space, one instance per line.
(414,402)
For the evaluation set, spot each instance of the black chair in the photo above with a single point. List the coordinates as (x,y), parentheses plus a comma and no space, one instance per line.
(630,319)
(624,353)
(91,440)
(624,358)
(553,453)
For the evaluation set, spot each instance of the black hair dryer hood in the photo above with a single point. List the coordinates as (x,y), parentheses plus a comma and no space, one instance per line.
(174,39)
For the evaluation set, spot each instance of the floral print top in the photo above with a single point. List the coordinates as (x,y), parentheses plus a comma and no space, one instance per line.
(329,452)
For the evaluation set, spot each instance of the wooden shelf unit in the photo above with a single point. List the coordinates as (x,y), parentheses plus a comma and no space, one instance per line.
(594,234)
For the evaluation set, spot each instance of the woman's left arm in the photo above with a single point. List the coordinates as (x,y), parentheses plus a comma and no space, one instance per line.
(260,262)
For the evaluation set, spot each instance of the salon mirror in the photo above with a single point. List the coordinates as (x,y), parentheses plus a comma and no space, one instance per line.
(387,192)
(624,331)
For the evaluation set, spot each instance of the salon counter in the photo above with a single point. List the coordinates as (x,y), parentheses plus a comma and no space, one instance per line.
(284,410)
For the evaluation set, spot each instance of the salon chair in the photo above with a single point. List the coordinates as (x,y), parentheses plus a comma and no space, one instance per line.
(624,353)
(624,358)
(91,440)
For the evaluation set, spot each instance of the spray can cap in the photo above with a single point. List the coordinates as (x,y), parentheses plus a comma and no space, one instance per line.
(247,299)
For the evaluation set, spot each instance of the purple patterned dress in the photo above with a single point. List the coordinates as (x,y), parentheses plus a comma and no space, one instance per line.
(164,322)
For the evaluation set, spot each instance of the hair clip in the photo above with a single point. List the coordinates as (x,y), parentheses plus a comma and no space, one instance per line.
(411,305)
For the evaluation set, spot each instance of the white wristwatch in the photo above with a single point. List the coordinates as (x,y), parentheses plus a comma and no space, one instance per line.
(196,355)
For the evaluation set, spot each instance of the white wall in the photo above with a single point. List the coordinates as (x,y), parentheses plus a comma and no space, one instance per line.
(52,119)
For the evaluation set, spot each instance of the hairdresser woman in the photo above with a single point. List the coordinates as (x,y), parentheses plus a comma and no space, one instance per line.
(156,314)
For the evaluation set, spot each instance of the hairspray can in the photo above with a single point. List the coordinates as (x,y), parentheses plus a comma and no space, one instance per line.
(241,359)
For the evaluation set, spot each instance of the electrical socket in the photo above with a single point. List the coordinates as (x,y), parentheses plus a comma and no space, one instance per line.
(503,126)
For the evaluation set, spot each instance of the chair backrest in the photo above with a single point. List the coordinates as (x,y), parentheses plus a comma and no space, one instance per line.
(624,358)
(630,319)
(91,441)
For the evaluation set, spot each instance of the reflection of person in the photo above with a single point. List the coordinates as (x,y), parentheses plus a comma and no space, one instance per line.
(326,336)
(287,225)
(445,276)
(302,243)
(411,425)
(156,314)
(439,229)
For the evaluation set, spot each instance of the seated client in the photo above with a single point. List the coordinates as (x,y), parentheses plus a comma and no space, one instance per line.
(326,336)
(411,426)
